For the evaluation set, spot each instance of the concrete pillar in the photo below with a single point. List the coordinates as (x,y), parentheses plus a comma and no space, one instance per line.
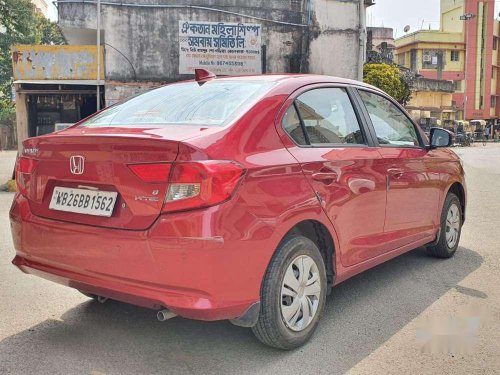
(21,117)
(362,39)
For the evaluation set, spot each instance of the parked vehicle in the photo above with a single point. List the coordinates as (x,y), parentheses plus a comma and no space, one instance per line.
(478,129)
(464,140)
(242,198)
(427,123)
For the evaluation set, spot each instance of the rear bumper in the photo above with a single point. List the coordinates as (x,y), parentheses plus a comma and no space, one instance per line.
(182,304)
(179,263)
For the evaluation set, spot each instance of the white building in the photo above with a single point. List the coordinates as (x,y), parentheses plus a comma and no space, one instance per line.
(145,42)
(43,6)
(150,42)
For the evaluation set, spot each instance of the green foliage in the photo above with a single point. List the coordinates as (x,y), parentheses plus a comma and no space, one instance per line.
(16,22)
(7,112)
(408,79)
(390,79)
(47,32)
(17,17)
(20,23)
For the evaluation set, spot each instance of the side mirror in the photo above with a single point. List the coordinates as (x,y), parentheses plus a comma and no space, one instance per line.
(441,138)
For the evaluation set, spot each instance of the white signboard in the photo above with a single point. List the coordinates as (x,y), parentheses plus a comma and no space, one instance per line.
(221,47)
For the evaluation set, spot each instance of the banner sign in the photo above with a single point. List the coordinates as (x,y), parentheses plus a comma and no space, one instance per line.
(221,47)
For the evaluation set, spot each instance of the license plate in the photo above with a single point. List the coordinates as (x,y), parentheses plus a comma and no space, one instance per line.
(81,201)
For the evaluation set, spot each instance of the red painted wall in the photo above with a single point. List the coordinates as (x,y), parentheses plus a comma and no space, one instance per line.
(472,113)
(472,6)
(447,75)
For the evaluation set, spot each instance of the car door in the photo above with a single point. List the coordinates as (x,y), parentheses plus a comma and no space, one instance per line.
(334,150)
(413,190)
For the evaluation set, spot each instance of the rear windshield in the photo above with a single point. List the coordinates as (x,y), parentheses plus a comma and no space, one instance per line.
(214,103)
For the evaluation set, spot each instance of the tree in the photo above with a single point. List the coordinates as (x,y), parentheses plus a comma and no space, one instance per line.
(17,17)
(16,20)
(408,79)
(8,113)
(390,79)
(20,23)
(47,32)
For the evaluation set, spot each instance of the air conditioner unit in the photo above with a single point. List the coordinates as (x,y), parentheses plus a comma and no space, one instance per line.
(427,58)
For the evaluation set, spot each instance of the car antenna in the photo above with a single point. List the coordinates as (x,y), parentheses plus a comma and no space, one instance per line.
(202,75)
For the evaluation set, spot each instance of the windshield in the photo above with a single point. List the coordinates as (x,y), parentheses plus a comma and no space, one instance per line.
(214,103)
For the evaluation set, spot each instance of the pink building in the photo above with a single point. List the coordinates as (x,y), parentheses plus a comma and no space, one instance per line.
(465,51)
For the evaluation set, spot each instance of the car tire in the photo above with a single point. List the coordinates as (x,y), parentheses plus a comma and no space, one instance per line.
(451,229)
(279,299)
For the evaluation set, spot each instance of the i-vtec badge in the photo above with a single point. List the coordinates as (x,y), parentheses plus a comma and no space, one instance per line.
(146,199)
(77,164)
(31,151)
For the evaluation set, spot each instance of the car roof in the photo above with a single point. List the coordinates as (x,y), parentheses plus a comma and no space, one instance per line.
(298,80)
(289,81)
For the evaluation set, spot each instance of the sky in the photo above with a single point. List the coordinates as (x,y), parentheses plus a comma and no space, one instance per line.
(397,14)
(52,12)
(418,14)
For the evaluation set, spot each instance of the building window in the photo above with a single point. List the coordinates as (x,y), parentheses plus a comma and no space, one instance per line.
(493,101)
(455,55)
(458,85)
(495,43)
(433,59)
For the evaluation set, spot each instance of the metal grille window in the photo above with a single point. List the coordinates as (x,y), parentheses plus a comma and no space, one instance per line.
(455,55)
(433,59)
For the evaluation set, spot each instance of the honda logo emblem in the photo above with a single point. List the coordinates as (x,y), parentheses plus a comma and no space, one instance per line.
(77,164)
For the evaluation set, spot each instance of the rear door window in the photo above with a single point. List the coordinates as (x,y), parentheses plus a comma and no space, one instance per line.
(291,124)
(328,117)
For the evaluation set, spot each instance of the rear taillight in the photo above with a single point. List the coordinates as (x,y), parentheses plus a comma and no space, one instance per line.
(157,172)
(201,184)
(24,169)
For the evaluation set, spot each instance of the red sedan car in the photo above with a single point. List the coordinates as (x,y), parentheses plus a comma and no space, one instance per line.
(242,198)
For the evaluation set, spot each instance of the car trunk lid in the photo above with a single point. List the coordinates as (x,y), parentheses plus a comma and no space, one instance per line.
(108,155)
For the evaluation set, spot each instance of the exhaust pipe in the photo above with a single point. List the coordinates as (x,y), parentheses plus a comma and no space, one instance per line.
(101,299)
(164,315)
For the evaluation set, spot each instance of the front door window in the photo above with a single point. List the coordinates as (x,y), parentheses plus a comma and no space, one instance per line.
(392,126)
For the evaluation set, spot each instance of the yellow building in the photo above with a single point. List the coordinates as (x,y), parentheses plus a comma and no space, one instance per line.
(464,51)
(432,99)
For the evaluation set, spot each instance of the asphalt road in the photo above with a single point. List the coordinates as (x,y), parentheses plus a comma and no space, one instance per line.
(413,314)
(7,161)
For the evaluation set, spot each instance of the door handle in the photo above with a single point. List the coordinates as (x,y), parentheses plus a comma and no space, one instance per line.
(396,172)
(326,178)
